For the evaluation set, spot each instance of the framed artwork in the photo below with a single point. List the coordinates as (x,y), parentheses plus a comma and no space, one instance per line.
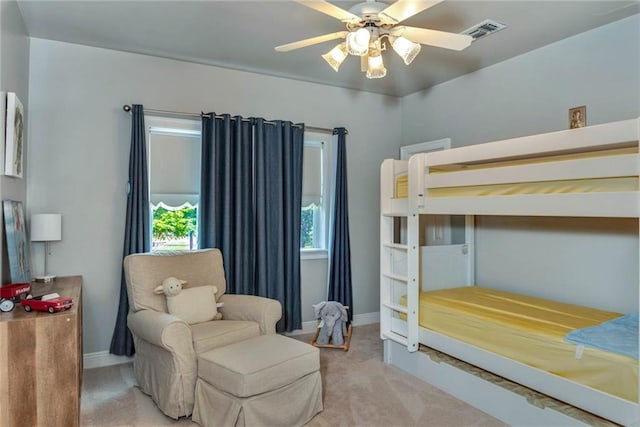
(17,243)
(3,117)
(14,140)
(578,117)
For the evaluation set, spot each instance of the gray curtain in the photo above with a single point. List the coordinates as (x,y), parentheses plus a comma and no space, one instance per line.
(225,214)
(250,202)
(137,232)
(339,280)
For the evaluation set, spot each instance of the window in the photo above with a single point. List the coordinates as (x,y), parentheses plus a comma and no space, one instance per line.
(174,185)
(174,182)
(315,195)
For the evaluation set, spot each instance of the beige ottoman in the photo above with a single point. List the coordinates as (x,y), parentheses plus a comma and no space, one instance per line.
(270,380)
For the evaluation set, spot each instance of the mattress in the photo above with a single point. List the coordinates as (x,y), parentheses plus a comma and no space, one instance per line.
(402,187)
(594,185)
(633,149)
(531,331)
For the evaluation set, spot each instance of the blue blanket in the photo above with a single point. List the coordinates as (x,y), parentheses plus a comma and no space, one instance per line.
(619,335)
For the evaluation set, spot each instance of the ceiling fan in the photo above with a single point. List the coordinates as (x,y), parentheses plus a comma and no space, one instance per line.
(369,24)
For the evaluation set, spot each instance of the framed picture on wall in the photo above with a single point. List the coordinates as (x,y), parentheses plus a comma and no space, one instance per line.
(3,117)
(14,140)
(578,117)
(17,244)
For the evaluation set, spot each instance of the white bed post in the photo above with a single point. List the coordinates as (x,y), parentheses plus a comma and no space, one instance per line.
(469,240)
(416,196)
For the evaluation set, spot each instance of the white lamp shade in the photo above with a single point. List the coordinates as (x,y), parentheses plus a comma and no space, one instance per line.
(407,49)
(46,227)
(336,56)
(358,42)
(376,69)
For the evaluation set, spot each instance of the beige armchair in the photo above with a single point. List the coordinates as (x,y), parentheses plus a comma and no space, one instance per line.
(165,362)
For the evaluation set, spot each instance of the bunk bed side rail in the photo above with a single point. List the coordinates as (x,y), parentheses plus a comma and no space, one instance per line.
(624,165)
(611,205)
(608,135)
(605,405)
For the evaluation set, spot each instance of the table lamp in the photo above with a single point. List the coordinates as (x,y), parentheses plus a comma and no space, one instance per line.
(46,228)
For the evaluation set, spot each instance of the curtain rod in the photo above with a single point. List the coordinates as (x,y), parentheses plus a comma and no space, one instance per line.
(127,108)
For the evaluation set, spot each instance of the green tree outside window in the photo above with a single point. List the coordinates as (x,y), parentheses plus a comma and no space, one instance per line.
(174,226)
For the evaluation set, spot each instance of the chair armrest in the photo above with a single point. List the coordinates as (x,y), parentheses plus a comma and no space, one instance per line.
(163,330)
(266,312)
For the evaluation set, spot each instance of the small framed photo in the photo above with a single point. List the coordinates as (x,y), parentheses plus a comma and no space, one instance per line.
(17,243)
(14,141)
(578,117)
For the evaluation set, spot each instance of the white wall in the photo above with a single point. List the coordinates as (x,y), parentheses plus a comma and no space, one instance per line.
(80,147)
(589,262)
(532,93)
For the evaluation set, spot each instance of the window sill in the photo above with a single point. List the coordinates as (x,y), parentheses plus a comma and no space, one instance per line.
(306,254)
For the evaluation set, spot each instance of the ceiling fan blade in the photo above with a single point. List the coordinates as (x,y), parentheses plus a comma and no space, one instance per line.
(331,10)
(436,38)
(404,9)
(311,41)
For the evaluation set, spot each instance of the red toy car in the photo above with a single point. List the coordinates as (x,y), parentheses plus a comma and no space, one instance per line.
(49,302)
(9,293)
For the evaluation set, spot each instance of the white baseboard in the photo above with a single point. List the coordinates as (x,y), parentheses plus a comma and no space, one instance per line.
(100,359)
(103,358)
(366,318)
(358,320)
(307,328)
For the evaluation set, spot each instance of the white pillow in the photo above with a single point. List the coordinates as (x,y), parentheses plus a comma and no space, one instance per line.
(194,305)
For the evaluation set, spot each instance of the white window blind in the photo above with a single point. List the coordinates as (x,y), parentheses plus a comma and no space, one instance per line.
(175,175)
(312,174)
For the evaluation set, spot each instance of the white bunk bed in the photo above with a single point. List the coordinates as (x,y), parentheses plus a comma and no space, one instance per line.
(586,172)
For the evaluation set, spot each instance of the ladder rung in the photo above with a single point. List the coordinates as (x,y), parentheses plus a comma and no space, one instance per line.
(396,307)
(394,214)
(395,246)
(396,277)
(395,337)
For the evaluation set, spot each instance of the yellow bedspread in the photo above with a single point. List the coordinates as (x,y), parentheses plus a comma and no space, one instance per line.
(530,330)
(595,185)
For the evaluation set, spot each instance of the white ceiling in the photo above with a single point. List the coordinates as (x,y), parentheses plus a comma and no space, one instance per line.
(242,34)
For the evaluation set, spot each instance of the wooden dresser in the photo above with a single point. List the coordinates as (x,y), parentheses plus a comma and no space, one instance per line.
(41,361)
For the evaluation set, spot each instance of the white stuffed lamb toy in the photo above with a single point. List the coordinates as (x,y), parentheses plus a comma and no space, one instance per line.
(193,305)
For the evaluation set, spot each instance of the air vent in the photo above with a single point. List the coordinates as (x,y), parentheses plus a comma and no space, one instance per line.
(484,29)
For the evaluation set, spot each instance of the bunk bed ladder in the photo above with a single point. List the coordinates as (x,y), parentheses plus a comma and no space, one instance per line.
(393,253)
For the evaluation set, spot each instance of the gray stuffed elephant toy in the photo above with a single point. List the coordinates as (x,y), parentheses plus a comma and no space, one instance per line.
(335,322)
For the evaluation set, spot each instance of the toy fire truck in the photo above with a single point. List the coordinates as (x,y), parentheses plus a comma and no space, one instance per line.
(10,293)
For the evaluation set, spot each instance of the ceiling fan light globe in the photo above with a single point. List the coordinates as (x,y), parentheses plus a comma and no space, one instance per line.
(406,49)
(358,42)
(336,56)
(376,69)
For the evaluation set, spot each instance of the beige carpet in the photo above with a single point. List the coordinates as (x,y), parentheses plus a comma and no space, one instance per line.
(359,390)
